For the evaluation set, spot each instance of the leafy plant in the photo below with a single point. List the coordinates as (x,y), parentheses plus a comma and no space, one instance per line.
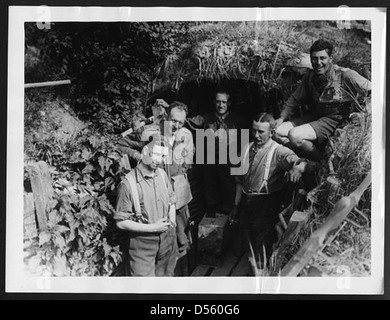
(77,241)
(111,65)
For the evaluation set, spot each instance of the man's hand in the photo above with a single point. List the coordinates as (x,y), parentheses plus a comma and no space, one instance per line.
(162,103)
(161,225)
(296,172)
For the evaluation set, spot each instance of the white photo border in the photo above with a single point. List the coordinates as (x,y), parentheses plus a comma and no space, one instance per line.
(18,280)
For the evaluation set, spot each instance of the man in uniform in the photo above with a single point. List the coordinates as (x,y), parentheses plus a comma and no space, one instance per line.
(328,91)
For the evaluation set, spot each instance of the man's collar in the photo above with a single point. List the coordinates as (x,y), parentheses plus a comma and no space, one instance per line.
(264,146)
(142,173)
(223,116)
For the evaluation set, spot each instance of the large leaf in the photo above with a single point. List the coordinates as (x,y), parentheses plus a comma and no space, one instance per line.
(108,182)
(86,154)
(102,165)
(59,229)
(60,267)
(54,217)
(82,233)
(107,248)
(44,237)
(60,242)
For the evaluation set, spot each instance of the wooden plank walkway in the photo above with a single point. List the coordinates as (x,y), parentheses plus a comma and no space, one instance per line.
(231,266)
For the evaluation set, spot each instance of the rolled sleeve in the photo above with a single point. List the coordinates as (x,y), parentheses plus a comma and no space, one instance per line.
(286,158)
(296,99)
(124,204)
(354,80)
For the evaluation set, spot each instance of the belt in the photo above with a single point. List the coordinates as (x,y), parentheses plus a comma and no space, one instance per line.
(252,195)
(334,108)
(338,105)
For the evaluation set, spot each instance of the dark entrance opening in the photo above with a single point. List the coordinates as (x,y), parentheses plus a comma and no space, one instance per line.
(247,99)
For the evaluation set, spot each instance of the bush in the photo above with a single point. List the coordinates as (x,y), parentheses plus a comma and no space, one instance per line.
(111,65)
(79,240)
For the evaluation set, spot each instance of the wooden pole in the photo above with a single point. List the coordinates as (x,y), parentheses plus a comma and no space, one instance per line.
(46,84)
(316,240)
(297,221)
(42,190)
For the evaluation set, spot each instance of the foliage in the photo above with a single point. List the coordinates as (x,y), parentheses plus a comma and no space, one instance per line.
(350,153)
(77,241)
(111,65)
(114,67)
(258,51)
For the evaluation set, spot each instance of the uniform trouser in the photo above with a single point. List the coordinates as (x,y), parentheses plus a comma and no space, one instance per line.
(220,187)
(149,255)
(259,215)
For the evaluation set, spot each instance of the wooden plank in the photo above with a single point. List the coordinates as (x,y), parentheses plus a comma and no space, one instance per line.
(243,268)
(201,270)
(41,185)
(47,84)
(297,221)
(228,264)
(29,222)
(332,222)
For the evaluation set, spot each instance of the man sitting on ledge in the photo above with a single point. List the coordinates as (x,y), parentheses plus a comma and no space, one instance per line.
(329,92)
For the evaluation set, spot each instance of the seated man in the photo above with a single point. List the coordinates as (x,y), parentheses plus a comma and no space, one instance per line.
(145,208)
(261,188)
(328,91)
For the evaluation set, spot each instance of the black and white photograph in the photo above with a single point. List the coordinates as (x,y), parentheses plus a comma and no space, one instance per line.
(196,150)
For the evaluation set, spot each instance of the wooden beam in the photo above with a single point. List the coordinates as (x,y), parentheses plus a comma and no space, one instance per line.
(46,84)
(332,222)
(201,270)
(243,268)
(228,264)
(42,188)
(297,221)
(29,221)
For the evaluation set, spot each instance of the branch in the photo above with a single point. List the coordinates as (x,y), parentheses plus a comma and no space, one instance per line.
(316,240)
(46,84)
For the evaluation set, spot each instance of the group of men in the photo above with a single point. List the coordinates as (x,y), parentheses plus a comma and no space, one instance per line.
(152,202)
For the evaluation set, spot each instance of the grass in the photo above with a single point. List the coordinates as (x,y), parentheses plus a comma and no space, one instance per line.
(258,51)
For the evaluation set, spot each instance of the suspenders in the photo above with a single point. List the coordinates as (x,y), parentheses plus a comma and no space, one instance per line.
(134,193)
(267,167)
(264,184)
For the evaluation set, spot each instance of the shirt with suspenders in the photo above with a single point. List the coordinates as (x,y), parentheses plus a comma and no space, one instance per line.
(267,168)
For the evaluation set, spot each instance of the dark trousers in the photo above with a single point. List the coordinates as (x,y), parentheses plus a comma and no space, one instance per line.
(184,238)
(150,255)
(258,217)
(220,187)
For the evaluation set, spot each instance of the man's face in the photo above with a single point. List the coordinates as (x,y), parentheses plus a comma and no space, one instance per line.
(222,103)
(320,60)
(154,157)
(261,132)
(177,118)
